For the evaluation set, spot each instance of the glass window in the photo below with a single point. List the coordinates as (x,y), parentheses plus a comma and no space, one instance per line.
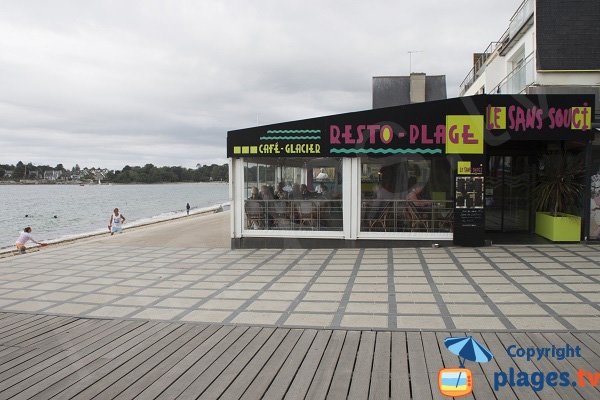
(406,194)
(293,194)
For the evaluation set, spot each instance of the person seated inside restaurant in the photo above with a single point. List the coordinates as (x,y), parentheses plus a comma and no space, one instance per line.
(266,193)
(325,194)
(414,194)
(305,193)
(280,193)
(254,194)
(295,194)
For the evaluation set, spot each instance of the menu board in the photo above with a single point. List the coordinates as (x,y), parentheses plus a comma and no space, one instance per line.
(469,203)
(469,192)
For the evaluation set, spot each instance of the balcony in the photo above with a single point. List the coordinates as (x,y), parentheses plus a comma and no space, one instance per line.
(518,79)
(521,20)
(478,67)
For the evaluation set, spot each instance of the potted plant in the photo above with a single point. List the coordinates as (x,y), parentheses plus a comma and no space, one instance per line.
(556,192)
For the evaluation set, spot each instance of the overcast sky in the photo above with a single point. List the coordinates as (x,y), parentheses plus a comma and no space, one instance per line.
(109,83)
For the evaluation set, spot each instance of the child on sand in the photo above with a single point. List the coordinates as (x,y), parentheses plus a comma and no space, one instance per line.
(24,237)
(116,221)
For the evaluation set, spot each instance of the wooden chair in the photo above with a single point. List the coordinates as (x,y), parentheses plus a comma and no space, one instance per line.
(381,215)
(414,220)
(281,217)
(255,214)
(306,213)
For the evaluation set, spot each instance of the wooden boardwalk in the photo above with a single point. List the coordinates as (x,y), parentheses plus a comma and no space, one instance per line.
(43,357)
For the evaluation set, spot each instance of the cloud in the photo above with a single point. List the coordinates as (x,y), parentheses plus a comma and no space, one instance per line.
(114,83)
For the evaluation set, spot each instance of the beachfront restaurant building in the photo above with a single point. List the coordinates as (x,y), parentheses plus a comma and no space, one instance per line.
(447,171)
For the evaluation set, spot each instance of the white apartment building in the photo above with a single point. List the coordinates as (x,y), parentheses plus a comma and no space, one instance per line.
(550,47)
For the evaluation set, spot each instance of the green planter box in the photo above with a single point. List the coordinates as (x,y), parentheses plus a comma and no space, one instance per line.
(562,228)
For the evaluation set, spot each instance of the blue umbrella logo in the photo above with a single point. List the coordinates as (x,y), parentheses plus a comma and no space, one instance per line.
(468,348)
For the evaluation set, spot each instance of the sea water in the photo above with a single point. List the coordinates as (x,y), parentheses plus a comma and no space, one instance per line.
(81,210)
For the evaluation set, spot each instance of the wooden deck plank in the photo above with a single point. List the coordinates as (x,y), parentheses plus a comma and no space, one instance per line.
(33,374)
(595,336)
(187,377)
(208,375)
(65,357)
(306,372)
(60,330)
(380,374)
(324,372)
(280,361)
(278,347)
(493,343)
(16,320)
(586,392)
(89,358)
(220,384)
(138,380)
(8,350)
(433,361)
(90,325)
(400,384)
(342,376)
(544,364)
(94,378)
(419,378)
(39,330)
(506,340)
(361,376)
(23,359)
(591,345)
(22,325)
(170,377)
(241,351)
(282,381)
(483,378)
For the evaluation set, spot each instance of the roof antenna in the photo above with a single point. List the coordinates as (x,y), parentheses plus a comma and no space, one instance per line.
(410,53)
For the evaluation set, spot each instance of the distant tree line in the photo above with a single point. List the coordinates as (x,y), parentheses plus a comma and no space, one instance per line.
(152,174)
(149,173)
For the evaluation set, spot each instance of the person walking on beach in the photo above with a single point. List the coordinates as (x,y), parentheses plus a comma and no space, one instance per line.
(24,237)
(115,222)
(187,207)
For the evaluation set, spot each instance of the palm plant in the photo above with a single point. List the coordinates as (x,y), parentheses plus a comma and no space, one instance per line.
(559,184)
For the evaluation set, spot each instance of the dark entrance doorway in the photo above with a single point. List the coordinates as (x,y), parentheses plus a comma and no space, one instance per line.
(508,193)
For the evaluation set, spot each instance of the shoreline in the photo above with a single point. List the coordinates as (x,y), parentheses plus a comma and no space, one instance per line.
(133,226)
(82,183)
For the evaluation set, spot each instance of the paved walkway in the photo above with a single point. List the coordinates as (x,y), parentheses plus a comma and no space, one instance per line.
(44,357)
(541,288)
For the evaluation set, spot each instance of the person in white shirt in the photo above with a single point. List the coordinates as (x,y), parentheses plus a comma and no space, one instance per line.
(322,175)
(116,221)
(24,237)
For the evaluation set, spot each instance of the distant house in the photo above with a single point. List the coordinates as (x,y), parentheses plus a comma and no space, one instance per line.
(8,173)
(33,174)
(52,175)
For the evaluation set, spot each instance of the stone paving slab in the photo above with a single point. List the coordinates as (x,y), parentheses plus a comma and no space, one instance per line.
(501,288)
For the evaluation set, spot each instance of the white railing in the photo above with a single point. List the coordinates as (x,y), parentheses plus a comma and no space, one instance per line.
(518,79)
(478,67)
(520,16)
